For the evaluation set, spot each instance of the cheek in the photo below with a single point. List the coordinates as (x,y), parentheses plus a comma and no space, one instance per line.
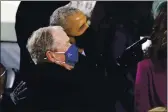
(81,31)
(76,31)
(73,32)
(62,58)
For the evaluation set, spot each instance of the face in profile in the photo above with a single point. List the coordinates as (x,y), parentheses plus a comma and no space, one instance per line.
(76,24)
(62,42)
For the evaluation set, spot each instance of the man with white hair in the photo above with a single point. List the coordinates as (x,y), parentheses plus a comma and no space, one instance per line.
(64,79)
(44,40)
(38,12)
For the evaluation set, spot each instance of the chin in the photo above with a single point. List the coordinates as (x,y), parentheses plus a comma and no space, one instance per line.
(80,33)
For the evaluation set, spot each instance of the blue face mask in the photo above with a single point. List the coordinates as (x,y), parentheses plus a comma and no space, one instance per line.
(71,55)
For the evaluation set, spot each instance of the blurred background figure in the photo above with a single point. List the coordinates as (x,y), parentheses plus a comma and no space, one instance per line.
(151,78)
(10,51)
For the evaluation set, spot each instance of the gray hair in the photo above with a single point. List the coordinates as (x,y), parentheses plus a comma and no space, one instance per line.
(40,42)
(58,18)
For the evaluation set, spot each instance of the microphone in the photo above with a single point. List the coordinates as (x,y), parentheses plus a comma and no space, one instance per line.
(131,55)
(139,42)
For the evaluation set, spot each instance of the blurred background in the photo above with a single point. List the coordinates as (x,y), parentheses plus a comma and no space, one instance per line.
(10,51)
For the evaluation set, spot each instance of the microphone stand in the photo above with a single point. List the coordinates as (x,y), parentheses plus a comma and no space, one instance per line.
(131,55)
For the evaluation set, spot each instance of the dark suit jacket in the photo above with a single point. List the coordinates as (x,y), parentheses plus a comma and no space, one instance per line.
(105,17)
(103,45)
(59,89)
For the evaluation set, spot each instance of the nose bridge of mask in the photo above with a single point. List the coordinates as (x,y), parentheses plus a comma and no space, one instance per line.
(60,52)
(57,60)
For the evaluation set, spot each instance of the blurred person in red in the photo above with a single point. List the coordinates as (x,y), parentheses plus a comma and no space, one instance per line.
(151,78)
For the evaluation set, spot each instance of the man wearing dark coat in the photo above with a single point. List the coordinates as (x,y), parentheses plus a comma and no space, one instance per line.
(63,79)
(106,19)
(30,16)
(113,27)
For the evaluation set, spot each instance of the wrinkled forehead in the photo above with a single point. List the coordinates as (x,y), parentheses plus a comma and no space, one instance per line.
(56,28)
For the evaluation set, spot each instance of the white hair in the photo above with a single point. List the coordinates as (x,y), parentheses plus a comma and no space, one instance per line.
(40,42)
(58,18)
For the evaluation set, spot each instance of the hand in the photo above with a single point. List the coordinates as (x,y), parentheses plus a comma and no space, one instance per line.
(81,50)
(16,95)
(72,40)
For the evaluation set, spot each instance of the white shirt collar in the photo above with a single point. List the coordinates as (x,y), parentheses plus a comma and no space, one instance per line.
(83,53)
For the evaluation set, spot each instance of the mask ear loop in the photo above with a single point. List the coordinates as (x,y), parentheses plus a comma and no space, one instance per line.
(57,62)
(60,62)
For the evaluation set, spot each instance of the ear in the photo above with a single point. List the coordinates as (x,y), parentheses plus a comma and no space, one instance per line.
(50,56)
